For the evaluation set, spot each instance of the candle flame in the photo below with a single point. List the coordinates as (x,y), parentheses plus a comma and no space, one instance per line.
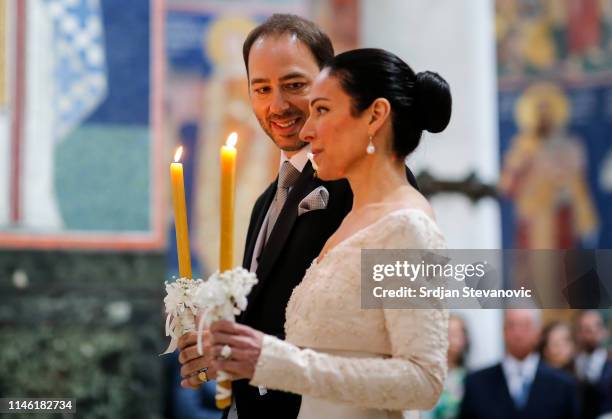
(178,154)
(232,140)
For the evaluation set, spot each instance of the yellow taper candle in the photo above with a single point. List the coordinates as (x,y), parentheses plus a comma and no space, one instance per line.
(228,181)
(180,215)
(226,250)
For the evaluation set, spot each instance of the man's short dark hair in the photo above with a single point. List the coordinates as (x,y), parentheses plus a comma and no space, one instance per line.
(306,31)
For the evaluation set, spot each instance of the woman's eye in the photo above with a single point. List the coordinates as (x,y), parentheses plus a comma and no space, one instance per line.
(321,110)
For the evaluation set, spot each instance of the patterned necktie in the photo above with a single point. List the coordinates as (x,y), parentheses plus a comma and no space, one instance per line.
(287,177)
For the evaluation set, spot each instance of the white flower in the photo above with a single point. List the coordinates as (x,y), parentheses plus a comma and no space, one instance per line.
(181,309)
(221,296)
(239,282)
(211,294)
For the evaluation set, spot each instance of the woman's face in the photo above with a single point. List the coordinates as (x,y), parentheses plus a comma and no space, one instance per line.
(338,139)
(559,349)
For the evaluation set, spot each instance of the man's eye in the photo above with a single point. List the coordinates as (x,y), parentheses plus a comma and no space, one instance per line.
(295,86)
(262,90)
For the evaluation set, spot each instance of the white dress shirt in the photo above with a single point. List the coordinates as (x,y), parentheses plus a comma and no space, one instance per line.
(518,373)
(590,366)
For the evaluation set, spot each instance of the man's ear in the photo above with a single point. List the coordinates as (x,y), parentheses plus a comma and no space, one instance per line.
(379,111)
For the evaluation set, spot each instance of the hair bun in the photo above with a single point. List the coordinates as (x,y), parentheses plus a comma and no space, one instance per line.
(433,101)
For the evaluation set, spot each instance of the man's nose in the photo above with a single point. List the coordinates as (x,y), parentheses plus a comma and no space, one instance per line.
(279,103)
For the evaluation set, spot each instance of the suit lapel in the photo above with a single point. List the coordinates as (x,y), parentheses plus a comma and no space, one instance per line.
(504,397)
(284,224)
(250,246)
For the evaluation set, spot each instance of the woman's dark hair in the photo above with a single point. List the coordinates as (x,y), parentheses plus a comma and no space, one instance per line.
(545,335)
(418,101)
(280,24)
(545,340)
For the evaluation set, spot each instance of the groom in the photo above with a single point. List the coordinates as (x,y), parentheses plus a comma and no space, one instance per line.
(297,213)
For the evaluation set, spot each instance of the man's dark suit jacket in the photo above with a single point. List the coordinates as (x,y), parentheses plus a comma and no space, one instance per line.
(553,395)
(293,244)
(606,386)
(596,398)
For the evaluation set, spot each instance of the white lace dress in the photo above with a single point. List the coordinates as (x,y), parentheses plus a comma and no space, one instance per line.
(349,362)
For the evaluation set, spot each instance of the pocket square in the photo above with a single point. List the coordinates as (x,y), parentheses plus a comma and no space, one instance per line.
(315,200)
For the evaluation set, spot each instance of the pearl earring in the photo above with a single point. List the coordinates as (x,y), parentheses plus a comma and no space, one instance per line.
(370,149)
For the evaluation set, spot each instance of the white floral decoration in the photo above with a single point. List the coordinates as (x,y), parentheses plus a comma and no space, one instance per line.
(223,296)
(181,309)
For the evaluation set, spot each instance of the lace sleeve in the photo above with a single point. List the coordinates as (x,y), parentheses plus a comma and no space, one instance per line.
(411,379)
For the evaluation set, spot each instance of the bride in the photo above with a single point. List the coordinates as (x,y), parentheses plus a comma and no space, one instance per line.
(367,113)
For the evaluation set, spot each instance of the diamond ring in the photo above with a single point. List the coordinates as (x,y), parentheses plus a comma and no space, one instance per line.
(226,352)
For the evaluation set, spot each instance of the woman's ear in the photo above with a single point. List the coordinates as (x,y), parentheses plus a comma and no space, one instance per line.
(379,112)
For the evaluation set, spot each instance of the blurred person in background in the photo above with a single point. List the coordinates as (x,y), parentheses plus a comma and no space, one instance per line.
(557,347)
(607,403)
(593,364)
(520,386)
(458,347)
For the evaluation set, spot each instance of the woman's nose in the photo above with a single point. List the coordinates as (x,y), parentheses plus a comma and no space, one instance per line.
(307,132)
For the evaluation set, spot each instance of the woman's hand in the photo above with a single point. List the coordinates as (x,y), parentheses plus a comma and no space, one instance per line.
(245,343)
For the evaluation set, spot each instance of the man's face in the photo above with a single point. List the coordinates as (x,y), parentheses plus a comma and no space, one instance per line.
(591,331)
(281,71)
(521,332)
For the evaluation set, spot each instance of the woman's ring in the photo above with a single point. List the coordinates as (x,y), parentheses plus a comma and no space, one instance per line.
(226,352)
